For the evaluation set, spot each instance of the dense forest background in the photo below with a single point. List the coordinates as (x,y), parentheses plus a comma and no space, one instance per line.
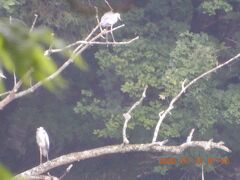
(179,39)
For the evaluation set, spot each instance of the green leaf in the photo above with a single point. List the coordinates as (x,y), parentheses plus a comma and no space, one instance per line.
(4,173)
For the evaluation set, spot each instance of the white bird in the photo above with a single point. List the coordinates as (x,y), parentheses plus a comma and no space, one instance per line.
(43,142)
(109,19)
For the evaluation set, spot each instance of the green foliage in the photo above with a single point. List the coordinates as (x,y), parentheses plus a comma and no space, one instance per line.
(4,173)
(21,51)
(193,55)
(211,6)
(93,109)
(8,5)
(58,15)
(231,104)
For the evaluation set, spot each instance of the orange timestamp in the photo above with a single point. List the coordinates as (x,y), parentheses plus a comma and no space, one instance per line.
(196,160)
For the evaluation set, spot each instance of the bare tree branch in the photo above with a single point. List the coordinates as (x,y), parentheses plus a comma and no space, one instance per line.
(189,138)
(34,22)
(184,88)
(5,93)
(42,177)
(127,115)
(76,52)
(202,173)
(51,51)
(66,171)
(108,5)
(113,149)
(11,95)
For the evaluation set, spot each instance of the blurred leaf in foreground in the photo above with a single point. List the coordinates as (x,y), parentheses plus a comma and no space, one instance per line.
(4,173)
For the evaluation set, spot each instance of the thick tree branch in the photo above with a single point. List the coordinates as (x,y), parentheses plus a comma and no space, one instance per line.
(42,177)
(114,149)
(127,116)
(163,114)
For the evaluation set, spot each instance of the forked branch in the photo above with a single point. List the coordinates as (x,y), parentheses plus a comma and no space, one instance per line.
(164,113)
(127,116)
(81,46)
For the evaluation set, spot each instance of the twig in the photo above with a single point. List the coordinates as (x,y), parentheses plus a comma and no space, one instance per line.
(160,143)
(98,22)
(46,53)
(108,5)
(12,93)
(184,88)
(34,22)
(66,171)
(189,138)
(127,115)
(97,17)
(90,43)
(5,93)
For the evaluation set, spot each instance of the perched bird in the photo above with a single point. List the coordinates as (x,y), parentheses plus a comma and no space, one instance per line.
(43,142)
(109,19)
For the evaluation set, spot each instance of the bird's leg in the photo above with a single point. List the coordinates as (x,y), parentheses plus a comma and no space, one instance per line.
(47,157)
(112,34)
(107,39)
(101,31)
(106,36)
(40,155)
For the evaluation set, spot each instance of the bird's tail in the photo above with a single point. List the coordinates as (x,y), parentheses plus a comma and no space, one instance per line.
(45,153)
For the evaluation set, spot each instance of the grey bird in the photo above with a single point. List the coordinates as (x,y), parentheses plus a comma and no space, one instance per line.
(43,142)
(109,19)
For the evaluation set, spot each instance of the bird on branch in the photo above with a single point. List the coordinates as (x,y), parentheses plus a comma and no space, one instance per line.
(43,142)
(108,20)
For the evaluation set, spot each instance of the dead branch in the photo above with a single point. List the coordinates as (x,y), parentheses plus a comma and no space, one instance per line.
(76,53)
(127,116)
(202,173)
(66,171)
(108,5)
(189,138)
(12,95)
(183,90)
(114,149)
(51,51)
(42,177)
(34,22)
